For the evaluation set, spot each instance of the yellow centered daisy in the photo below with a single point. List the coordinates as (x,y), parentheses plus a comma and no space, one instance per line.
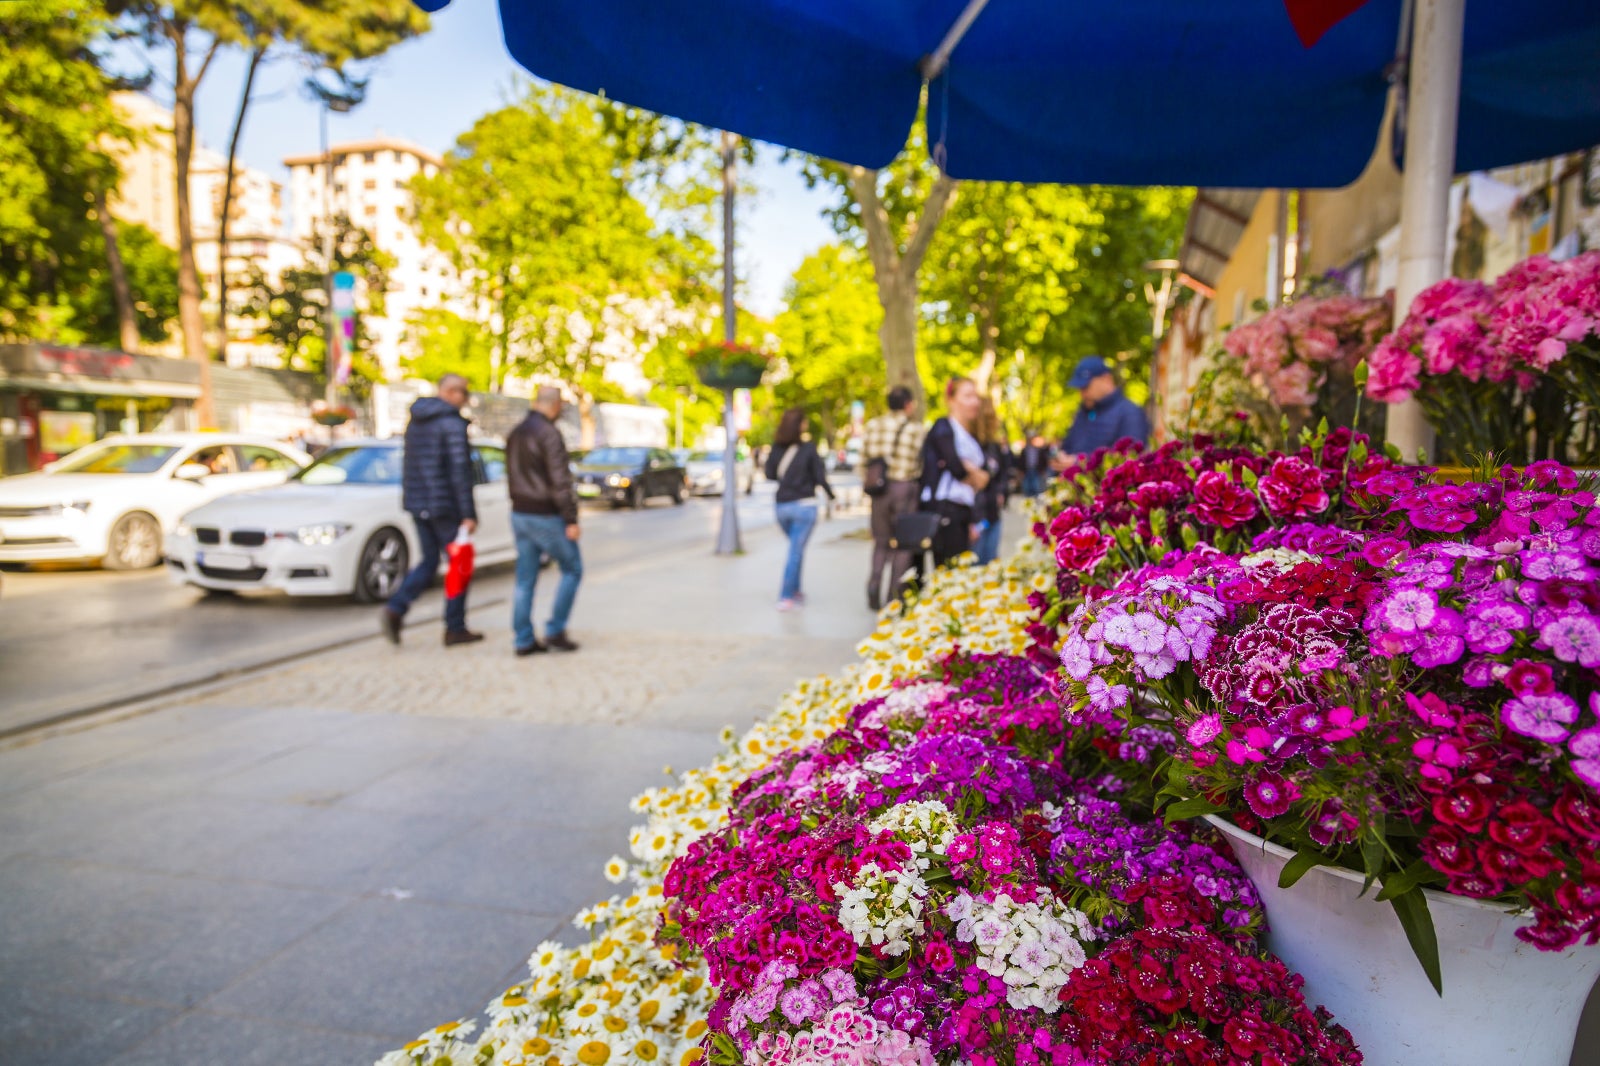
(696,1030)
(646,1051)
(580,969)
(614,1024)
(588,1010)
(690,1057)
(648,1010)
(604,949)
(537,1046)
(594,1053)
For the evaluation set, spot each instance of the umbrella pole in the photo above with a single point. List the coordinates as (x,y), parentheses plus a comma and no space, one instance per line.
(1432,104)
(728,542)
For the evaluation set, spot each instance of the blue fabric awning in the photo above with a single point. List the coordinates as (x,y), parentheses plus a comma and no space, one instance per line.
(1139,92)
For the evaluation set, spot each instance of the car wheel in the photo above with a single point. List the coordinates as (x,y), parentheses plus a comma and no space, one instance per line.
(384,561)
(636,497)
(677,492)
(135,543)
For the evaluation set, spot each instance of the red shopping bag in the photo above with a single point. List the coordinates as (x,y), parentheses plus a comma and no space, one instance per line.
(459,575)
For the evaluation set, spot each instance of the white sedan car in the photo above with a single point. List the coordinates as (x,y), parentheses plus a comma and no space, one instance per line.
(705,473)
(115,499)
(336,528)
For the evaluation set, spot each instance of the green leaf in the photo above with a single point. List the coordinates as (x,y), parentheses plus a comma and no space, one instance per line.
(1404,881)
(1190,808)
(1298,867)
(1412,910)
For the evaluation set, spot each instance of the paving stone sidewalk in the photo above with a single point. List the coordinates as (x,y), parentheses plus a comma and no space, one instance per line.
(316,863)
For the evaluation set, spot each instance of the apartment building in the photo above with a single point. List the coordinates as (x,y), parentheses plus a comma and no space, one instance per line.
(370,185)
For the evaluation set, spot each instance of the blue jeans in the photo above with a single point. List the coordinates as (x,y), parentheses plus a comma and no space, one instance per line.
(797,518)
(1032,483)
(539,535)
(988,544)
(433,533)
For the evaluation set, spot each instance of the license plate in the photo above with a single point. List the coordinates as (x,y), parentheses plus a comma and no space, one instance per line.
(588,490)
(223,560)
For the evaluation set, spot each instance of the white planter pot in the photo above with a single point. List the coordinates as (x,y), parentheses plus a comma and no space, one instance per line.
(1505,1003)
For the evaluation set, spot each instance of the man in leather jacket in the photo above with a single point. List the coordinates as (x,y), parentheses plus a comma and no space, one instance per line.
(544,518)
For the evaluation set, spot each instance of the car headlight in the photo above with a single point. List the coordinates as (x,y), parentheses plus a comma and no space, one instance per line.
(618,481)
(182,529)
(322,533)
(79,506)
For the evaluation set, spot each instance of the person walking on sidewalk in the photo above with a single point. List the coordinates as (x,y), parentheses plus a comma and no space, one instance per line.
(991,502)
(954,470)
(893,442)
(436,490)
(544,518)
(1035,465)
(797,468)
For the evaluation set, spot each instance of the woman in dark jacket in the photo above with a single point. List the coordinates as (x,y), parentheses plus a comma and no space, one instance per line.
(954,471)
(797,468)
(992,499)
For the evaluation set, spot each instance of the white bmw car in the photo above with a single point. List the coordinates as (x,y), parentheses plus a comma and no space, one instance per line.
(335,529)
(115,499)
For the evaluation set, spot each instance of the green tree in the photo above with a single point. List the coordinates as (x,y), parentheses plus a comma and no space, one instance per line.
(293,308)
(1025,280)
(541,208)
(894,214)
(446,343)
(185,37)
(828,336)
(151,271)
(55,120)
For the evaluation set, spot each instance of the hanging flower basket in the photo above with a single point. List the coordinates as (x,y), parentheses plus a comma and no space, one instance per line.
(729,366)
(324,414)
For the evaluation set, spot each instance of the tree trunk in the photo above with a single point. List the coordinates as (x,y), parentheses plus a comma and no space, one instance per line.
(189,318)
(121,295)
(895,271)
(898,334)
(223,223)
(988,335)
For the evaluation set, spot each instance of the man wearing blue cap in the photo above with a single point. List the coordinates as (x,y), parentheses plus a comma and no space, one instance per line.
(1106,415)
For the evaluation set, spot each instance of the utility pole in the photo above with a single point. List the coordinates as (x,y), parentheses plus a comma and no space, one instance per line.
(728,542)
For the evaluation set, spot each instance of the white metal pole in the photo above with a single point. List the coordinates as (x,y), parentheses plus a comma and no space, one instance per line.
(1432,104)
(728,542)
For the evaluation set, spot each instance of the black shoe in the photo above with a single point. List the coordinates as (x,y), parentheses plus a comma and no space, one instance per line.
(875,599)
(560,643)
(535,648)
(390,621)
(453,637)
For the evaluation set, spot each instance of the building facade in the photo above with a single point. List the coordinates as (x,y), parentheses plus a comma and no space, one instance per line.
(371,186)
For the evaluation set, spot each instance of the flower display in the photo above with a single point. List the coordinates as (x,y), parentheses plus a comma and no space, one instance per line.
(1512,367)
(1291,349)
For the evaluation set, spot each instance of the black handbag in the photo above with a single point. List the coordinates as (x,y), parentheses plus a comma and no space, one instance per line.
(915,531)
(875,478)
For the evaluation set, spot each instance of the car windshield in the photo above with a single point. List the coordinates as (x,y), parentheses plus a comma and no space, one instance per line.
(615,457)
(369,465)
(117,459)
(707,457)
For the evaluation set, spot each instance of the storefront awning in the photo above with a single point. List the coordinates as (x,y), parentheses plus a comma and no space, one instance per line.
(131,389)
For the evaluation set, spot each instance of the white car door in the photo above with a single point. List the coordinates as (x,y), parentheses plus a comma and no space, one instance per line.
(493,500)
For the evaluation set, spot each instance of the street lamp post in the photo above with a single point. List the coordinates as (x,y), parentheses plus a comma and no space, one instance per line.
(728,542)
(343,100)
(1159,299)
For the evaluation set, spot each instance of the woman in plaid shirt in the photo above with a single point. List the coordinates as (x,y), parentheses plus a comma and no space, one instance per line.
(895,438)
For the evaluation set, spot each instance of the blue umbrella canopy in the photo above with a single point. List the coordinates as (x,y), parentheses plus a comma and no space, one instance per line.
(1191,92)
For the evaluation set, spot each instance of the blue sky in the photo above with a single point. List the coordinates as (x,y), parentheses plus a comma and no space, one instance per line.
(431,89)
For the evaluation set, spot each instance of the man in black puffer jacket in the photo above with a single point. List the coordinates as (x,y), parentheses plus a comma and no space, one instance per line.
(437,492)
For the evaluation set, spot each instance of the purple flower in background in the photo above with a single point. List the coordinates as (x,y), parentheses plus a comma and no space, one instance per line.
(1148,635)
(1491,627)
(1585,749)
(1408,610)
(1543,718)
(1567,566)
(1105,697)
(1155,666)
(1574,638)
(1076,659)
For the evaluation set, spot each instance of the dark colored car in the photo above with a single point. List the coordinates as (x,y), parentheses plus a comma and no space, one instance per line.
(629,476)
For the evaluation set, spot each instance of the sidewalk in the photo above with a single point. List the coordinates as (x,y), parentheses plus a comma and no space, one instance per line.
(316,863)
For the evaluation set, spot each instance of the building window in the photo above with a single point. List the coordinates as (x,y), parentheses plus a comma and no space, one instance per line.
(370,184)
(423,292)
(367,157)
(372,211)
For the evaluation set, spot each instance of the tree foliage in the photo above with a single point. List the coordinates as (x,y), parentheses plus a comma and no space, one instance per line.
(55,120)
(828,336)
(292,309)
(1025,280)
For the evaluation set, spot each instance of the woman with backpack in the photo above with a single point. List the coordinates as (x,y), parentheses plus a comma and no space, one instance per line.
(954,470)
(797,468)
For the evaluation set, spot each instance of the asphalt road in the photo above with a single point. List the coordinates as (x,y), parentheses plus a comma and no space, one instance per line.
(75,640)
